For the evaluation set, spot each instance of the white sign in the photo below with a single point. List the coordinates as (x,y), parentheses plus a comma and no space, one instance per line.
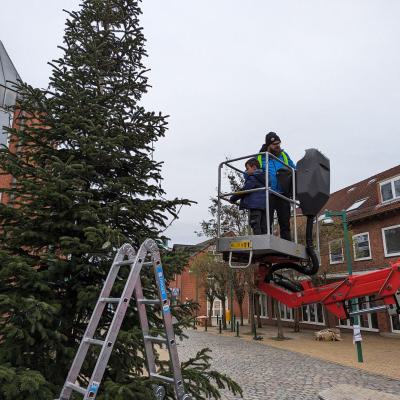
(356,334)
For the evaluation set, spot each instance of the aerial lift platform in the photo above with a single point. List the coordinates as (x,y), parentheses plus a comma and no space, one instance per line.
(310,189)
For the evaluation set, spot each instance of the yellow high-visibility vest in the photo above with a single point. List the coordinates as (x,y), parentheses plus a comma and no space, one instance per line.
(284,156)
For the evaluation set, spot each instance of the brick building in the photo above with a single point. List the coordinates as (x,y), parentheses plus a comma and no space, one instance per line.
(188,287)
(373,212)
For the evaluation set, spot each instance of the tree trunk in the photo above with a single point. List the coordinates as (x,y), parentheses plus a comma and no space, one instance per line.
(210,308)
(326,317)
(280,335)
(258,309)
(296,319)
(241,313)
(251,308)
(223,301)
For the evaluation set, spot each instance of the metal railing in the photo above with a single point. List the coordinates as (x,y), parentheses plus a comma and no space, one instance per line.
(292,200)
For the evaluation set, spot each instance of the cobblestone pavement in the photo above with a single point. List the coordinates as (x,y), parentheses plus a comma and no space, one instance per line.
(265,372)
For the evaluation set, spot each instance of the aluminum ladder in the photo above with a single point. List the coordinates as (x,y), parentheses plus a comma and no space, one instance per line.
(132,286)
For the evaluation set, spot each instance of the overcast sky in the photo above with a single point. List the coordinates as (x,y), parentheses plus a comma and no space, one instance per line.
(322,74)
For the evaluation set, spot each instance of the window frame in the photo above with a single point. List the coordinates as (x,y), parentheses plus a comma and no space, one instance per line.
(360,201)
(385,182)
(397,331)
(214,309)
(308,321)
(283,310)
(263,305)
(384,241)
(330,254)
(349,325)
(369,246)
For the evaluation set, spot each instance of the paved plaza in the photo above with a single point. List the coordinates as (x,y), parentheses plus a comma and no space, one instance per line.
(265,372)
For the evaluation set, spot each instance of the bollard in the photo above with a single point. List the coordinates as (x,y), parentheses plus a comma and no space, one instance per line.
(194,323)
(205,325)
(220,326)
(237,328)
(217,319)
(255,331)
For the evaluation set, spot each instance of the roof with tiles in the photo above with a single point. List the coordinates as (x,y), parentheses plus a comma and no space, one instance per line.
(363,199)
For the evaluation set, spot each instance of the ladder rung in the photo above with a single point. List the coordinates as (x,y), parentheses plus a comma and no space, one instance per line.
(125,262)
(162,377)
(109,299)
(94,341)
(75,387)
(148,264)
(367,310)
(149,301)
(155,339)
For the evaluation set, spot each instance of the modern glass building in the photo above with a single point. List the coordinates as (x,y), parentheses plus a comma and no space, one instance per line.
(8,95)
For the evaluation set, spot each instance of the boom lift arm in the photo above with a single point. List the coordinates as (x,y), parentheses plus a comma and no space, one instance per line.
(384,283)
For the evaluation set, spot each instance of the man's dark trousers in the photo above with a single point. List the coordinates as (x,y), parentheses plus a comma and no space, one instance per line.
(282,208)
(258,221)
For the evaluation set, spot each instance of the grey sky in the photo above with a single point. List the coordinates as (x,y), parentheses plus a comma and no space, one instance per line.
(322,74)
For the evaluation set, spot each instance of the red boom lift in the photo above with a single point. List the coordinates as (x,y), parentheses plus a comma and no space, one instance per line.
(310,188)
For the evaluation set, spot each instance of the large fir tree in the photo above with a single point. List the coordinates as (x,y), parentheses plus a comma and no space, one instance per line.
(84,182)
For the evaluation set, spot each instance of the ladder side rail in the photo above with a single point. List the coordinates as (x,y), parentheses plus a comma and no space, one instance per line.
(144,324)
(167,317)
(115,325)
(83,348)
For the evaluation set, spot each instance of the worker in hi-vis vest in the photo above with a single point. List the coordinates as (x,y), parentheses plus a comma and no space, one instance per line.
(279,178)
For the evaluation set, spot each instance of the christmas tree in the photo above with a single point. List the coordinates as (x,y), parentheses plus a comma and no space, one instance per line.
(84,182)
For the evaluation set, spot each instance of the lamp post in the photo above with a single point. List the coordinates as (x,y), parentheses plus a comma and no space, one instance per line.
(342,214)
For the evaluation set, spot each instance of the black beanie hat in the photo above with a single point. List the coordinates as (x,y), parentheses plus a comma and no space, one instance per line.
(271,137)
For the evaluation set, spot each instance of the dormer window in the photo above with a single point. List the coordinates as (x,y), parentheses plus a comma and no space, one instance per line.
(390,189)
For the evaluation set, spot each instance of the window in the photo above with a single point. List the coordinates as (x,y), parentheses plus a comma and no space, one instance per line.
(391,240)
(357,204)
(395,320)
(336,251)
(286,312)
(217,308)
(263,302)
(390,189)
(312,314)
(361,246)
(368,322)
(5,120)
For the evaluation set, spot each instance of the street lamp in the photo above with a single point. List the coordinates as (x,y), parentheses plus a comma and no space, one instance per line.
(342,214)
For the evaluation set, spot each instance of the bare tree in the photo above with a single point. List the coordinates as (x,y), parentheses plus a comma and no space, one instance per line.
(277,308)
(251,284)
(221,277)
(239,287)
(203,266)
(232,218)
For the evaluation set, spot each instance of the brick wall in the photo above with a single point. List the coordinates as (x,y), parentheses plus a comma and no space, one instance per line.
(374,227)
